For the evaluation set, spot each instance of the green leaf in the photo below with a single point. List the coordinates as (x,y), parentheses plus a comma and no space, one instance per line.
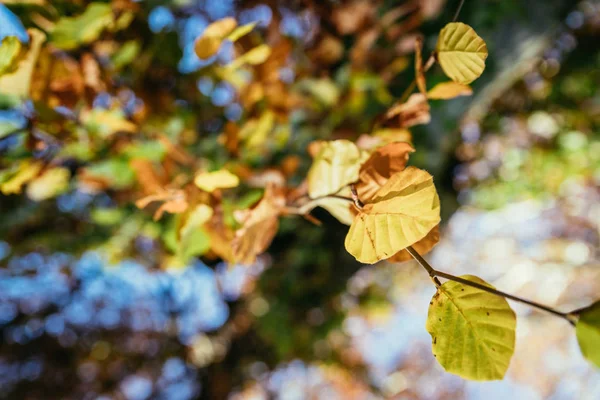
(9,51)
(461,52)
(117,172)
(71,32)
(472,331)
(588,333)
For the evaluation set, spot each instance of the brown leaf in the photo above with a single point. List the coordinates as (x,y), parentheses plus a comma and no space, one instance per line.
(414,112)
(423,246)
(259,226)
(174,201)
(147,176)
(91,73)
(380,166)
(350,17)
(419,74)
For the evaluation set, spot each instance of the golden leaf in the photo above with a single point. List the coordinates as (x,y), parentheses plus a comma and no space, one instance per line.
(208,44)
(259,226)
(211,181)
(51,183)
(423,246)
(449,90)
(26,172)
(401,213)
(174,201)
(18,82)
(461,52)
(380,166)
(336,165)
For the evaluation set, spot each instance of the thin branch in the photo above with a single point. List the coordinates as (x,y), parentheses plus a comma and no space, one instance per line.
(424,264)
(458,10)
(570,317)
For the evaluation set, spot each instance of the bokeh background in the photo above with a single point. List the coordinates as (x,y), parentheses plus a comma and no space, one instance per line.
(89,311)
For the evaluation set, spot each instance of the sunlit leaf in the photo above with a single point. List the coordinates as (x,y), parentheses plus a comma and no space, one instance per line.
(107,122)
(18,82)
(208,44)
(461,52)
(449,90)
(9,51)
(259,226)
(50,184)
(26,172)
(115,173)
(193,238)
(255,56)
(380,166)
(241,31)
(400,214)
(423,246)
(588,333)
(341,209)
(173,201)
(472,331)
(71,32)
(211,181)
(335,165)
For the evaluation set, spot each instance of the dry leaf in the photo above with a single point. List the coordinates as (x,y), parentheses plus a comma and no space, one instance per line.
(174,202)
(380,166)
(414,112)
(419,73)
(401,213)
(349,18)
(259,226)
(449,90)
(422,247)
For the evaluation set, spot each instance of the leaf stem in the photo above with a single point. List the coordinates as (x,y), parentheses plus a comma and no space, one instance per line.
(462,2)
(433,273)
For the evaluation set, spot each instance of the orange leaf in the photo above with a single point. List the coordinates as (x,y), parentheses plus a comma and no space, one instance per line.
(380,166)
(414,112)
(259,226)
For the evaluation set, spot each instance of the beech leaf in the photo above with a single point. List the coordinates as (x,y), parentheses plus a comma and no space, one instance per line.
(401,213)
(336,165)
(422,247)
(449,90)
(472,331)
(415,111)
(588,333)
(461,52)
(208,44)
(419,73)
(380,166)
(10,48)
(259,226)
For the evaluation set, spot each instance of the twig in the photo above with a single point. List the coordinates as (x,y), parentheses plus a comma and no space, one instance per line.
(458,10)
(570,317)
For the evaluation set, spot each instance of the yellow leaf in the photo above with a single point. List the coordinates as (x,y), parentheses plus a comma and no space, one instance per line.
(380,166)
(197,217)
(449,90)
(208,44)
(255,56)
(241,31)
(461,52)
(423,246)
(211,181)
(52,182)
(341,209)
(259,226)
(107,122)
(400,214)
(18,82)
(27,171)
(335,166)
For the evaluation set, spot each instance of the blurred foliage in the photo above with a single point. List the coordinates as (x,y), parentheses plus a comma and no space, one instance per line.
(119,109)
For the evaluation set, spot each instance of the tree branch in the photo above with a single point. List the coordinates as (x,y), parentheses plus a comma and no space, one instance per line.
(433,273)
